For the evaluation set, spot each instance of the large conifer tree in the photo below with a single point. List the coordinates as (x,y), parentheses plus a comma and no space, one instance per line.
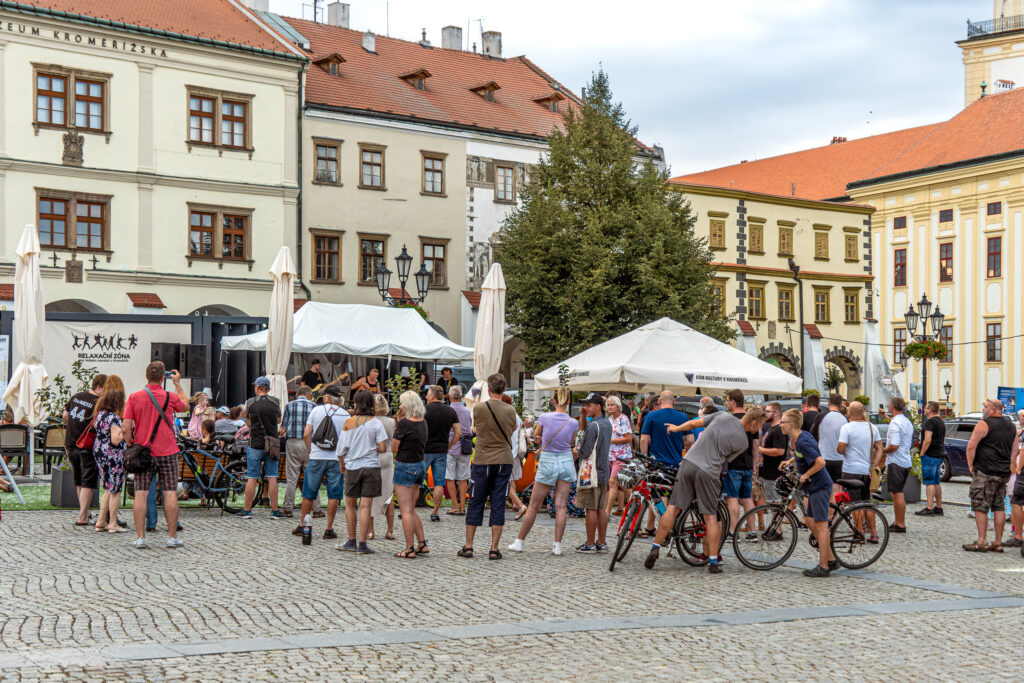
(601,243)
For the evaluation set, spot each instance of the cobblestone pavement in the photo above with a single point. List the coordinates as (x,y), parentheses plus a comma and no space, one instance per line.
(86,606)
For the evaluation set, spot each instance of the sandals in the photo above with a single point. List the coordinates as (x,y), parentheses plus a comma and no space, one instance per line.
(369,536)
(99,529)
(994,548)
(648,533)
(976,547)
(873,540)
(389,536)
(116,530)
(519,515)
(494,555)
(465,552)
(407,554)
(423,549)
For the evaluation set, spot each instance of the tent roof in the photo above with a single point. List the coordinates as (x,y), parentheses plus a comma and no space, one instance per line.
(666,354)
(360,330)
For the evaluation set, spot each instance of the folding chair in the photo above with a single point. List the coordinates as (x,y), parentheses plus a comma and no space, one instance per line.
(14,443)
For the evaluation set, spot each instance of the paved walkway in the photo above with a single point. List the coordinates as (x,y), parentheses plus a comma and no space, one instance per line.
(246,600)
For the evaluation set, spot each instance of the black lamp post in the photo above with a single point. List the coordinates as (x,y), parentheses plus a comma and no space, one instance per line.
(948,388)
(404,264)
(931,325)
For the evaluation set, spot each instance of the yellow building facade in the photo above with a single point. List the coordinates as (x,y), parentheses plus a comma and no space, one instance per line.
(993,52)
(758,241)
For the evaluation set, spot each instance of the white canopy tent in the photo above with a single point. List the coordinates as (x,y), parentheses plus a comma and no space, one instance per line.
(360,330)
(668,355)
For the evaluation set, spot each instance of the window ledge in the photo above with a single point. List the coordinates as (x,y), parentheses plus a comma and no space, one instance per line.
(994,277)
(220,148)
(85,131)
(851,322)
(787,320)
(73,251)
(505,201)
(852,260)
(328,183)
(220,261)
(784,254)
(716,248)
(755,253)
(326,282)
(821,258)
(434,194)
(361,283)
(442,288)
(371,187)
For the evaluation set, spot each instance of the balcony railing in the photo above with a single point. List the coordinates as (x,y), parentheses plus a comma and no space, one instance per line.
(1000,25)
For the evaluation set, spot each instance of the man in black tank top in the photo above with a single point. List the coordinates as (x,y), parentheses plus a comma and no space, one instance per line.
(992,447)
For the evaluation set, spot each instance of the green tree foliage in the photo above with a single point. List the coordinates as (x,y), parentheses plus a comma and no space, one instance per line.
(601,244)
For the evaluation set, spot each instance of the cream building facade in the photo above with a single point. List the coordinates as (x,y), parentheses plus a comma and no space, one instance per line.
(158,166)
(801,321)
(993,52)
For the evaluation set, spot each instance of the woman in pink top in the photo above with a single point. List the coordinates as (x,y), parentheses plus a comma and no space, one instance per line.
(620,453)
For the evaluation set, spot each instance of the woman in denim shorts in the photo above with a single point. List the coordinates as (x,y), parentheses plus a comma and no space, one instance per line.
(408,443)
(555,469)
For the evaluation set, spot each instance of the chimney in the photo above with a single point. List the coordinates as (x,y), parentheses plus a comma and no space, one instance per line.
(370,42)
(423,41)
(451,38)
(337,14)
(492,43)
(258,5)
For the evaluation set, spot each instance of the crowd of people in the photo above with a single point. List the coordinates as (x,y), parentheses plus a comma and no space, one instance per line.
(473,451)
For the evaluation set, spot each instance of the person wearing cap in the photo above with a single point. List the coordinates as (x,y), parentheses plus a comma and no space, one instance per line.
(262,417)
(312,377)
(293,426)
(597,435)
(222,423)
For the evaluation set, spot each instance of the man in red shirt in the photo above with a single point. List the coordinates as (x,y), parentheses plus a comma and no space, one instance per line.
(144,424)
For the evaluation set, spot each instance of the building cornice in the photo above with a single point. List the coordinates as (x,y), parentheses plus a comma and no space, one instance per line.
(711,191)
(785,272)
(948,169)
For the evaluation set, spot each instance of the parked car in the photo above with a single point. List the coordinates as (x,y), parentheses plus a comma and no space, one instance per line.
(880,423)
(958,433)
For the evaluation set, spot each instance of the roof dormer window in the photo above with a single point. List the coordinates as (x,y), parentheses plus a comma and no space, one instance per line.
(486,90)
(330,63)
(417,79)
(551,101)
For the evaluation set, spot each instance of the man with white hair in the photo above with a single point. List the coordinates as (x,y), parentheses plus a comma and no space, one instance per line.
(459,453)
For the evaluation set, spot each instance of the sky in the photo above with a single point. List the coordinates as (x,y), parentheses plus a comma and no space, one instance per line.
(715,82)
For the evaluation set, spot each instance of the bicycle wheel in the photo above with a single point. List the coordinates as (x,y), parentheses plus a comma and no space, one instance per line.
(230,487)
(850,545)
(723,524)
(688,534)
(833,514)
(774,545)
(629,525)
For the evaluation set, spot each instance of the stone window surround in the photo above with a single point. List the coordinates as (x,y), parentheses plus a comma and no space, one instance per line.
(219,96)
(71,198)
(326,232)
(218,227)
(72,74)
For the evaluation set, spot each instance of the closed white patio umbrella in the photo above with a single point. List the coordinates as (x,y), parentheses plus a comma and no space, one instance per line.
(30,375)
(490,328)
(279,333)
(664,355)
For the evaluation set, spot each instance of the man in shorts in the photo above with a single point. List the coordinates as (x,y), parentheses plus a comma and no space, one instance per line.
(723,439)
(77,416)
(739,478)
(858,440)
(933,451)
(993,446)
(773,451)
(457,468)
(817,488)
(897,453)
(322,464)
(827,434)
(598,435)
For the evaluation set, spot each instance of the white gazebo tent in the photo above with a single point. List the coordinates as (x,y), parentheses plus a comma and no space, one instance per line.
(669,355)
(360,330)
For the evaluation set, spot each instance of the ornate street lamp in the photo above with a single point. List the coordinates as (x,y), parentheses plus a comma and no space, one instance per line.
(931,326)
(382,277)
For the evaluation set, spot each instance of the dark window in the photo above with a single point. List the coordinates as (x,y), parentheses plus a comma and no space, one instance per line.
(995,208)
(371,254)
(53,222)
(327,163)
(946,338)
(201,233)
(233,237)
(946,262)
(785,304)
(326,257)
(899,223)
(995,257)
(851,307)
(994,342)
(899,340)
(51,99)
(755,302)
(945,215)
(899,272)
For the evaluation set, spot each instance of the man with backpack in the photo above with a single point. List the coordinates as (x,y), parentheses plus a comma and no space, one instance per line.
(457,468)
(322,436)
(148,416)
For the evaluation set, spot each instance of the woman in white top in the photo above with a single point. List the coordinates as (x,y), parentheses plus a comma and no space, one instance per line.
(361,442)
(384,504)
(517,465)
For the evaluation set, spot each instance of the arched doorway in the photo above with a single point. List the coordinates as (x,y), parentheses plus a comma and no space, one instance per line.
(781,356)
(849,364)
(73,306)
(218,309)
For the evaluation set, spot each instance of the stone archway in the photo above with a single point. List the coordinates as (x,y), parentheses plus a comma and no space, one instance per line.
(850,365)
(218,309)
(73,306)
(782,356)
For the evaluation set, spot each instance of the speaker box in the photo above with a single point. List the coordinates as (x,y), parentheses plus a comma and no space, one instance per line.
(168,354)
(193,361)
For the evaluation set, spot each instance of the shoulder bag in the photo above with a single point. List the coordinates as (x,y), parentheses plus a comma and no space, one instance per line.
(138,458)
(500,428)
(88,436)
(587,477)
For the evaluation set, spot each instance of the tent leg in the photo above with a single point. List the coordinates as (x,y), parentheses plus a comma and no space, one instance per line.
(10,478)
(31,452)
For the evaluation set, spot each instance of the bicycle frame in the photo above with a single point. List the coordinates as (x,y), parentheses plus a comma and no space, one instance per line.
(197,471)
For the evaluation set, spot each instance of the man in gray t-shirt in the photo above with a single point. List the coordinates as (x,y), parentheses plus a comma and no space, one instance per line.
(724,438)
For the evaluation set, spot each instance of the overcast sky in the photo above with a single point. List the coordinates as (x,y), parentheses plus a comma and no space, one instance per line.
(714,81)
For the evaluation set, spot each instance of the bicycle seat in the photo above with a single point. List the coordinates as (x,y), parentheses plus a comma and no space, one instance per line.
(850,484)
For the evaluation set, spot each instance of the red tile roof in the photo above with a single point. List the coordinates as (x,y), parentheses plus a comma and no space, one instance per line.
(219,20)
(746,329)
(145,300)
(819,173)
(7,292)
(368,82)
(298,303)
(473,298)
(813,331)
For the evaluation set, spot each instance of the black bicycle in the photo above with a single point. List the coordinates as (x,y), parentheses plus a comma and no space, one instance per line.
(858,532)
(219,472)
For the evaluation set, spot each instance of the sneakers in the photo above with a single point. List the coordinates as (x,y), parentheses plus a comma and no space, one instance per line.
(600,547)
(319,514)
(329,533)
(297,531)
(897,529)
(434,517)
(652,557)
(715,568)
(516,546)
(349,545)
(586,548)
(363,549)
(752,536)
(173,542)
(140,544)
(817,572)
(926,512)
(277,514)
(938,512)
(1013,543)
(776,536)
(556,549)
(833,565)
(244,514)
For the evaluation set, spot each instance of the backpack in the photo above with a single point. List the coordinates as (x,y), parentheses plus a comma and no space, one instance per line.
(325,436)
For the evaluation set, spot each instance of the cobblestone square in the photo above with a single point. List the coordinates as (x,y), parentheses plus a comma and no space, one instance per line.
(244,600)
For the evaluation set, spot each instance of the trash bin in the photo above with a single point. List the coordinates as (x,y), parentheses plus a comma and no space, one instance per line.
(63,493)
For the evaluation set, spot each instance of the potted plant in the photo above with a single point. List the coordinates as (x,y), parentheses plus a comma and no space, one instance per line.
(834,379)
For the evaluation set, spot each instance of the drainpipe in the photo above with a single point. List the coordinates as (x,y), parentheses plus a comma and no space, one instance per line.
(298,237)
(795,269)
